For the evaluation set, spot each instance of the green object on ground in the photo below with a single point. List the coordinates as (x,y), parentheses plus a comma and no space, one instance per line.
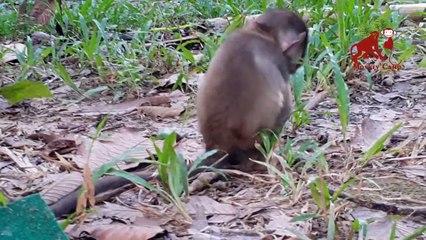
(29,218)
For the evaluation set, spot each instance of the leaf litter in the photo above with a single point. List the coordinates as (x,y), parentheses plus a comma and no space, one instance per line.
(62,130)
(233,211)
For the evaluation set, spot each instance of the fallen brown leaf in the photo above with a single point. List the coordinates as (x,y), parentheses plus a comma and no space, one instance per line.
(64,184)
(42,11)
(210,206)
(161,112)
(87,195)
(119,141)
(123,232)
(112,210)
(11,51)
(119,108)
(369,132)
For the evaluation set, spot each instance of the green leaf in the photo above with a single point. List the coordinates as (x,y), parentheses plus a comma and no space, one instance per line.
(331,231)
(304,217)
(298,85)
(422,64)
(24,89)
(63,74)
(325,192)
(280,4)
(354,228)
(316,196)
(407,53)
(3,199)
(364,228)
(237,22)
(417,233)
(233,7)
(188,55)
(210,45)
(67,221)
(104,168)
(342,188)
(393,231)
(135,179)
(342,98)
(94,91)
(101,125)
(379,144)
(200,159)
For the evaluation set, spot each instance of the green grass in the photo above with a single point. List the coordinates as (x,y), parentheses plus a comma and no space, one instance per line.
(123,44)
(123,39)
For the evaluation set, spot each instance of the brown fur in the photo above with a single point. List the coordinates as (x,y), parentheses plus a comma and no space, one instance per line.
(246,87)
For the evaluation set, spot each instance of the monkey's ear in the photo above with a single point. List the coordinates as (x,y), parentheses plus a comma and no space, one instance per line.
(295,50)
(288,47)
(259,24)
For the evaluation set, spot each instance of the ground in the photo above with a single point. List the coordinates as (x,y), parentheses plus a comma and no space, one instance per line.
(44,145)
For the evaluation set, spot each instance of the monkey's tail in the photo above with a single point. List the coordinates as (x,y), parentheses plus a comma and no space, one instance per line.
(389,59)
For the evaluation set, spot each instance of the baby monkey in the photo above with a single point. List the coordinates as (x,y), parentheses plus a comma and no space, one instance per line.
(246,88)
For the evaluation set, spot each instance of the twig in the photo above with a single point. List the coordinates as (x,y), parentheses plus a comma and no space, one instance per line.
(404,158)
(173,40)
(315,100)
(253,177)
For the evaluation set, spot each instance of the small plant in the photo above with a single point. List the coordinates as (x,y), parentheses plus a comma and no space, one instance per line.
(309,152)
(378,145)
(3,200)
(172,171)
(327,204)
(286,176)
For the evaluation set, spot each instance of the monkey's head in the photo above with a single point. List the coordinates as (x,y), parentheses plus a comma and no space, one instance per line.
(375,34)
(288,30)
(388,32)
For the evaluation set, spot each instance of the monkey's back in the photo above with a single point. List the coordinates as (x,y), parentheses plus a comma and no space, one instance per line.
(243,92)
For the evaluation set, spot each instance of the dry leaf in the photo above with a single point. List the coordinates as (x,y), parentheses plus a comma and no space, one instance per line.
(381,227)
(281,223)
(116,211)
(369,132)
(66,183)
(23,7)
(415,171)
(89,185)
(178,99)
(161,112)
(156,101)
(190,148)
(120,108)
(120,141)
(11,51)
(209,206)
(385,98)
(82,198)
(42,11)
(123,232)
(64,163)
(21,161)
(62,146)
(16,142)
(199,183)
